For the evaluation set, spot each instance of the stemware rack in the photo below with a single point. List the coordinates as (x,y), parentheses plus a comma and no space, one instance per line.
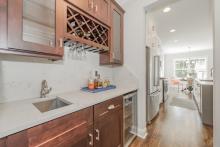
(83,29)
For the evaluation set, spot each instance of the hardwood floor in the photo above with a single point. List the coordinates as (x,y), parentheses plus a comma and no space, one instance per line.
(176,127)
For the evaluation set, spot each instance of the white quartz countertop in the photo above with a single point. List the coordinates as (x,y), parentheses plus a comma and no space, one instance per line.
(21,115)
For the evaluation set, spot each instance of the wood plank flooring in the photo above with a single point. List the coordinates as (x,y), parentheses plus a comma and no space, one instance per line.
(176,127)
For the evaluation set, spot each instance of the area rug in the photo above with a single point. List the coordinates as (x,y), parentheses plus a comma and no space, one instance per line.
(183,102)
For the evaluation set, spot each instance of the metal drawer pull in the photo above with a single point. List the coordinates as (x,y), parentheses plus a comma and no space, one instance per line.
(98,134)
(91,139)
(103,113)
(111,107)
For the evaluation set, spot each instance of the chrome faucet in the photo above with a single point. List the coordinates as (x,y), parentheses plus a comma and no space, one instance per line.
(44,89)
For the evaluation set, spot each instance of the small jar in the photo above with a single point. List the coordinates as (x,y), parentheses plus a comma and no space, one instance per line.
(105,84)
(91,84)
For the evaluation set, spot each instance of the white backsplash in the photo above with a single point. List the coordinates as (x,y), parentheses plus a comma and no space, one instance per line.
(20,77)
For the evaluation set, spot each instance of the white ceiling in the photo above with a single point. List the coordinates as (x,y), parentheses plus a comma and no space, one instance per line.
(192,20)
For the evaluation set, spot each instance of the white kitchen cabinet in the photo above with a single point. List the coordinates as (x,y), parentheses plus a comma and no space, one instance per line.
(203,96)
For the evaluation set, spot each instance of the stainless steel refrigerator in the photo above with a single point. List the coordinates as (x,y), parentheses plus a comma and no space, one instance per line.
(152,83)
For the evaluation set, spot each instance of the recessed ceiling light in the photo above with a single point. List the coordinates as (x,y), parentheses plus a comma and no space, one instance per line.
(167,9)
(172,30)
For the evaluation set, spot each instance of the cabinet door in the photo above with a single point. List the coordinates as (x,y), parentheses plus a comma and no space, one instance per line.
(85,5)
(117,34)
(72,130)
(35,26)
(108,124)
(79,136)
(102,10)
(85,140)
(3,142)
(68,131)
(108,130)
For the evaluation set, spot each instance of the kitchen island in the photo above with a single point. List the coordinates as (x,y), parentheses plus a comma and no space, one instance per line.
(203,97)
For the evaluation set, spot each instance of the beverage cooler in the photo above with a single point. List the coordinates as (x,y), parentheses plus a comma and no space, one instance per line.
(130,117)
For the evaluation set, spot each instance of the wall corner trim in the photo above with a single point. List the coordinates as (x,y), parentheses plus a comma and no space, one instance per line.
(142,133)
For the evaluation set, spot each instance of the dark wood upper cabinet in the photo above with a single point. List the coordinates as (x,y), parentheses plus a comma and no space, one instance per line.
(117,34)
(102,10)
(115,55)
(35,26)
(84,29)
(85,5)
(40,28)
(99,9)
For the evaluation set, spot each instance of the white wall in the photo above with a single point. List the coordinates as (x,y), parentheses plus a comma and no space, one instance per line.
(170,58)
(216,73)
(20,77)
(134,53)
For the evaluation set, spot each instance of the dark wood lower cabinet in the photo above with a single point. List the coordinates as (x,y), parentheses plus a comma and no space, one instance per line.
(79,136)
(108,123)
(97,126)
(3,142)
(19,140)
(72,130)
(108,130)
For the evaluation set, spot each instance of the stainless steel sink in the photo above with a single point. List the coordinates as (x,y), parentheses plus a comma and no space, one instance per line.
(45,106)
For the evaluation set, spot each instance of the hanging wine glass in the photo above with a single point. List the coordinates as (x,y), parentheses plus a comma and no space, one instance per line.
(69,45)
(75,44)
(83,53)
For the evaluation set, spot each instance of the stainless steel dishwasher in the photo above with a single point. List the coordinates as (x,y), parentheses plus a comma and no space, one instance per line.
(130,117)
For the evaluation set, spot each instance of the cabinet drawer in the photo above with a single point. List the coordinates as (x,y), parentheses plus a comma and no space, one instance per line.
(58,127)
(74,137)
(68,131)
(108,106)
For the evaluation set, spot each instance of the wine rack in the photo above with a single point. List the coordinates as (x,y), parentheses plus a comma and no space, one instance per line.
(82,29)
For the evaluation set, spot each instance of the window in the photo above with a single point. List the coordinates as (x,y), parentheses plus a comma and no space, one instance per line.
(196,68)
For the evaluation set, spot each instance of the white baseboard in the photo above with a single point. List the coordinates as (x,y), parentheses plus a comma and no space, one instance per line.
(142,133)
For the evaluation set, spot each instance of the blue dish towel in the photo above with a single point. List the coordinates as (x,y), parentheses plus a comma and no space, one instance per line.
(86,89)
